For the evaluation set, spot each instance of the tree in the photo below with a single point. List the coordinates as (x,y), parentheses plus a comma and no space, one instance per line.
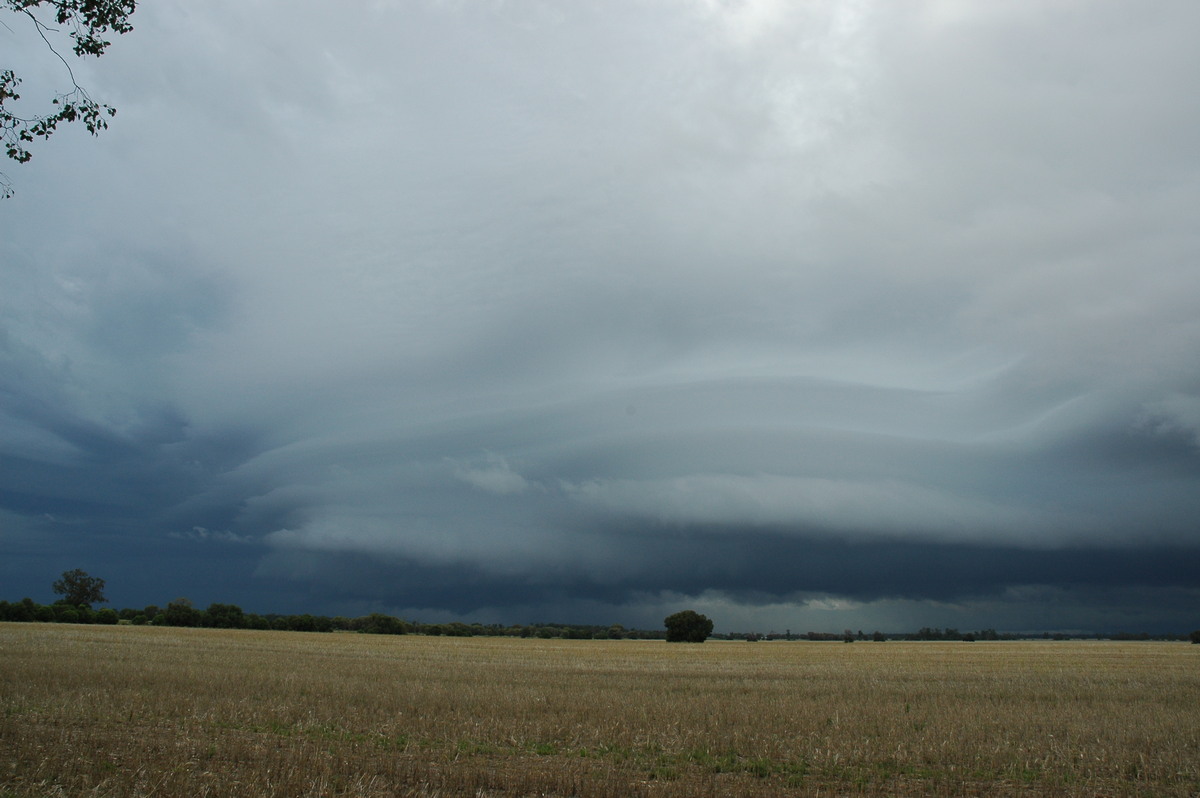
(687,626)
(379,624)
(223,616)
(180,612)
(80,590)
(86,22)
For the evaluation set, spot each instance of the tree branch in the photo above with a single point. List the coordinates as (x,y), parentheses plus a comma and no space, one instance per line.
(90,19)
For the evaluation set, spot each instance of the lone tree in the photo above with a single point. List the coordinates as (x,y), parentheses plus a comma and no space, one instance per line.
(86,22)
(80,590)
(688,626)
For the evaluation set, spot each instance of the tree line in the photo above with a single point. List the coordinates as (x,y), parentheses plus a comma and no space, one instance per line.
(79,591)
(182,613)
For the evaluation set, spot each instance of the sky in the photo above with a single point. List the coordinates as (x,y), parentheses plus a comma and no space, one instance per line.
(805,316)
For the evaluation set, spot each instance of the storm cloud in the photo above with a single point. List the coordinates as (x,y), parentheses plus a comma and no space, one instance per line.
(804,315)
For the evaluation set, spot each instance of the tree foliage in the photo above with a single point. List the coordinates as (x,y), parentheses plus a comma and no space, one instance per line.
(688,626)
(223,616)
(87,23)
(180,612)
(79,589)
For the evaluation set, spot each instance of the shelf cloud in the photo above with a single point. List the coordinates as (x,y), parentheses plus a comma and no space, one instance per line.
(803,315)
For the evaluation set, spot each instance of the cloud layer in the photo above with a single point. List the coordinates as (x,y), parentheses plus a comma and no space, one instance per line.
(812,315)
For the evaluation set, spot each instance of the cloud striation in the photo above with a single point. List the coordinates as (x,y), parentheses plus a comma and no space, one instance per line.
(803,315)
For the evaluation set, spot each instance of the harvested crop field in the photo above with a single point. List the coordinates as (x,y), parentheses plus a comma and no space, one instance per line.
(140,711)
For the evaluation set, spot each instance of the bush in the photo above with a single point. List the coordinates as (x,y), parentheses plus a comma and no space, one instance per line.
(687,626)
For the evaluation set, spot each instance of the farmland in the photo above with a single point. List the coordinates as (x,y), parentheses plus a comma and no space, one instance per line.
(139,711)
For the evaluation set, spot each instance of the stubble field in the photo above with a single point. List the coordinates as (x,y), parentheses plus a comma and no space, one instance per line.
(140,711)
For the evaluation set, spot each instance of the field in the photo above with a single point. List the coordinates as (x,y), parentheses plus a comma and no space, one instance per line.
(140,711)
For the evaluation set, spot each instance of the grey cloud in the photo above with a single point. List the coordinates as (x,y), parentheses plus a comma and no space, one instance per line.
(491,311)
(494,475)
(883,509)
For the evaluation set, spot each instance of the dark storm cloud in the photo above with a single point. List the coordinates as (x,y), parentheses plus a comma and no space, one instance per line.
(758,568)
(850,314)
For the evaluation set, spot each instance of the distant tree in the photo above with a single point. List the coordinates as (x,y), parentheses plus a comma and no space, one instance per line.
(80,590)
(378,623)
(223,616)
(21,611)
(1195,637)
(86,22)
(301,623)
(255,621)
(180,612)
(687,626)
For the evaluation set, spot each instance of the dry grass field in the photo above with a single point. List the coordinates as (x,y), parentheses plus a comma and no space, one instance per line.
(139,711)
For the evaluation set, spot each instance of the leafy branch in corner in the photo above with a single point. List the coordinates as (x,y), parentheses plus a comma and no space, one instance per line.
(87,22)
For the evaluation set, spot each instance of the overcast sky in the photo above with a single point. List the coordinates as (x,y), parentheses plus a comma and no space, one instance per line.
(803,315)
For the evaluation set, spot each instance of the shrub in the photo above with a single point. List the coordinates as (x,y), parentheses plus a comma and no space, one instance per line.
(687,626)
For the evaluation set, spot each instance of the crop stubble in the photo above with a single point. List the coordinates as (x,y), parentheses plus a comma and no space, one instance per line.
(139,711)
